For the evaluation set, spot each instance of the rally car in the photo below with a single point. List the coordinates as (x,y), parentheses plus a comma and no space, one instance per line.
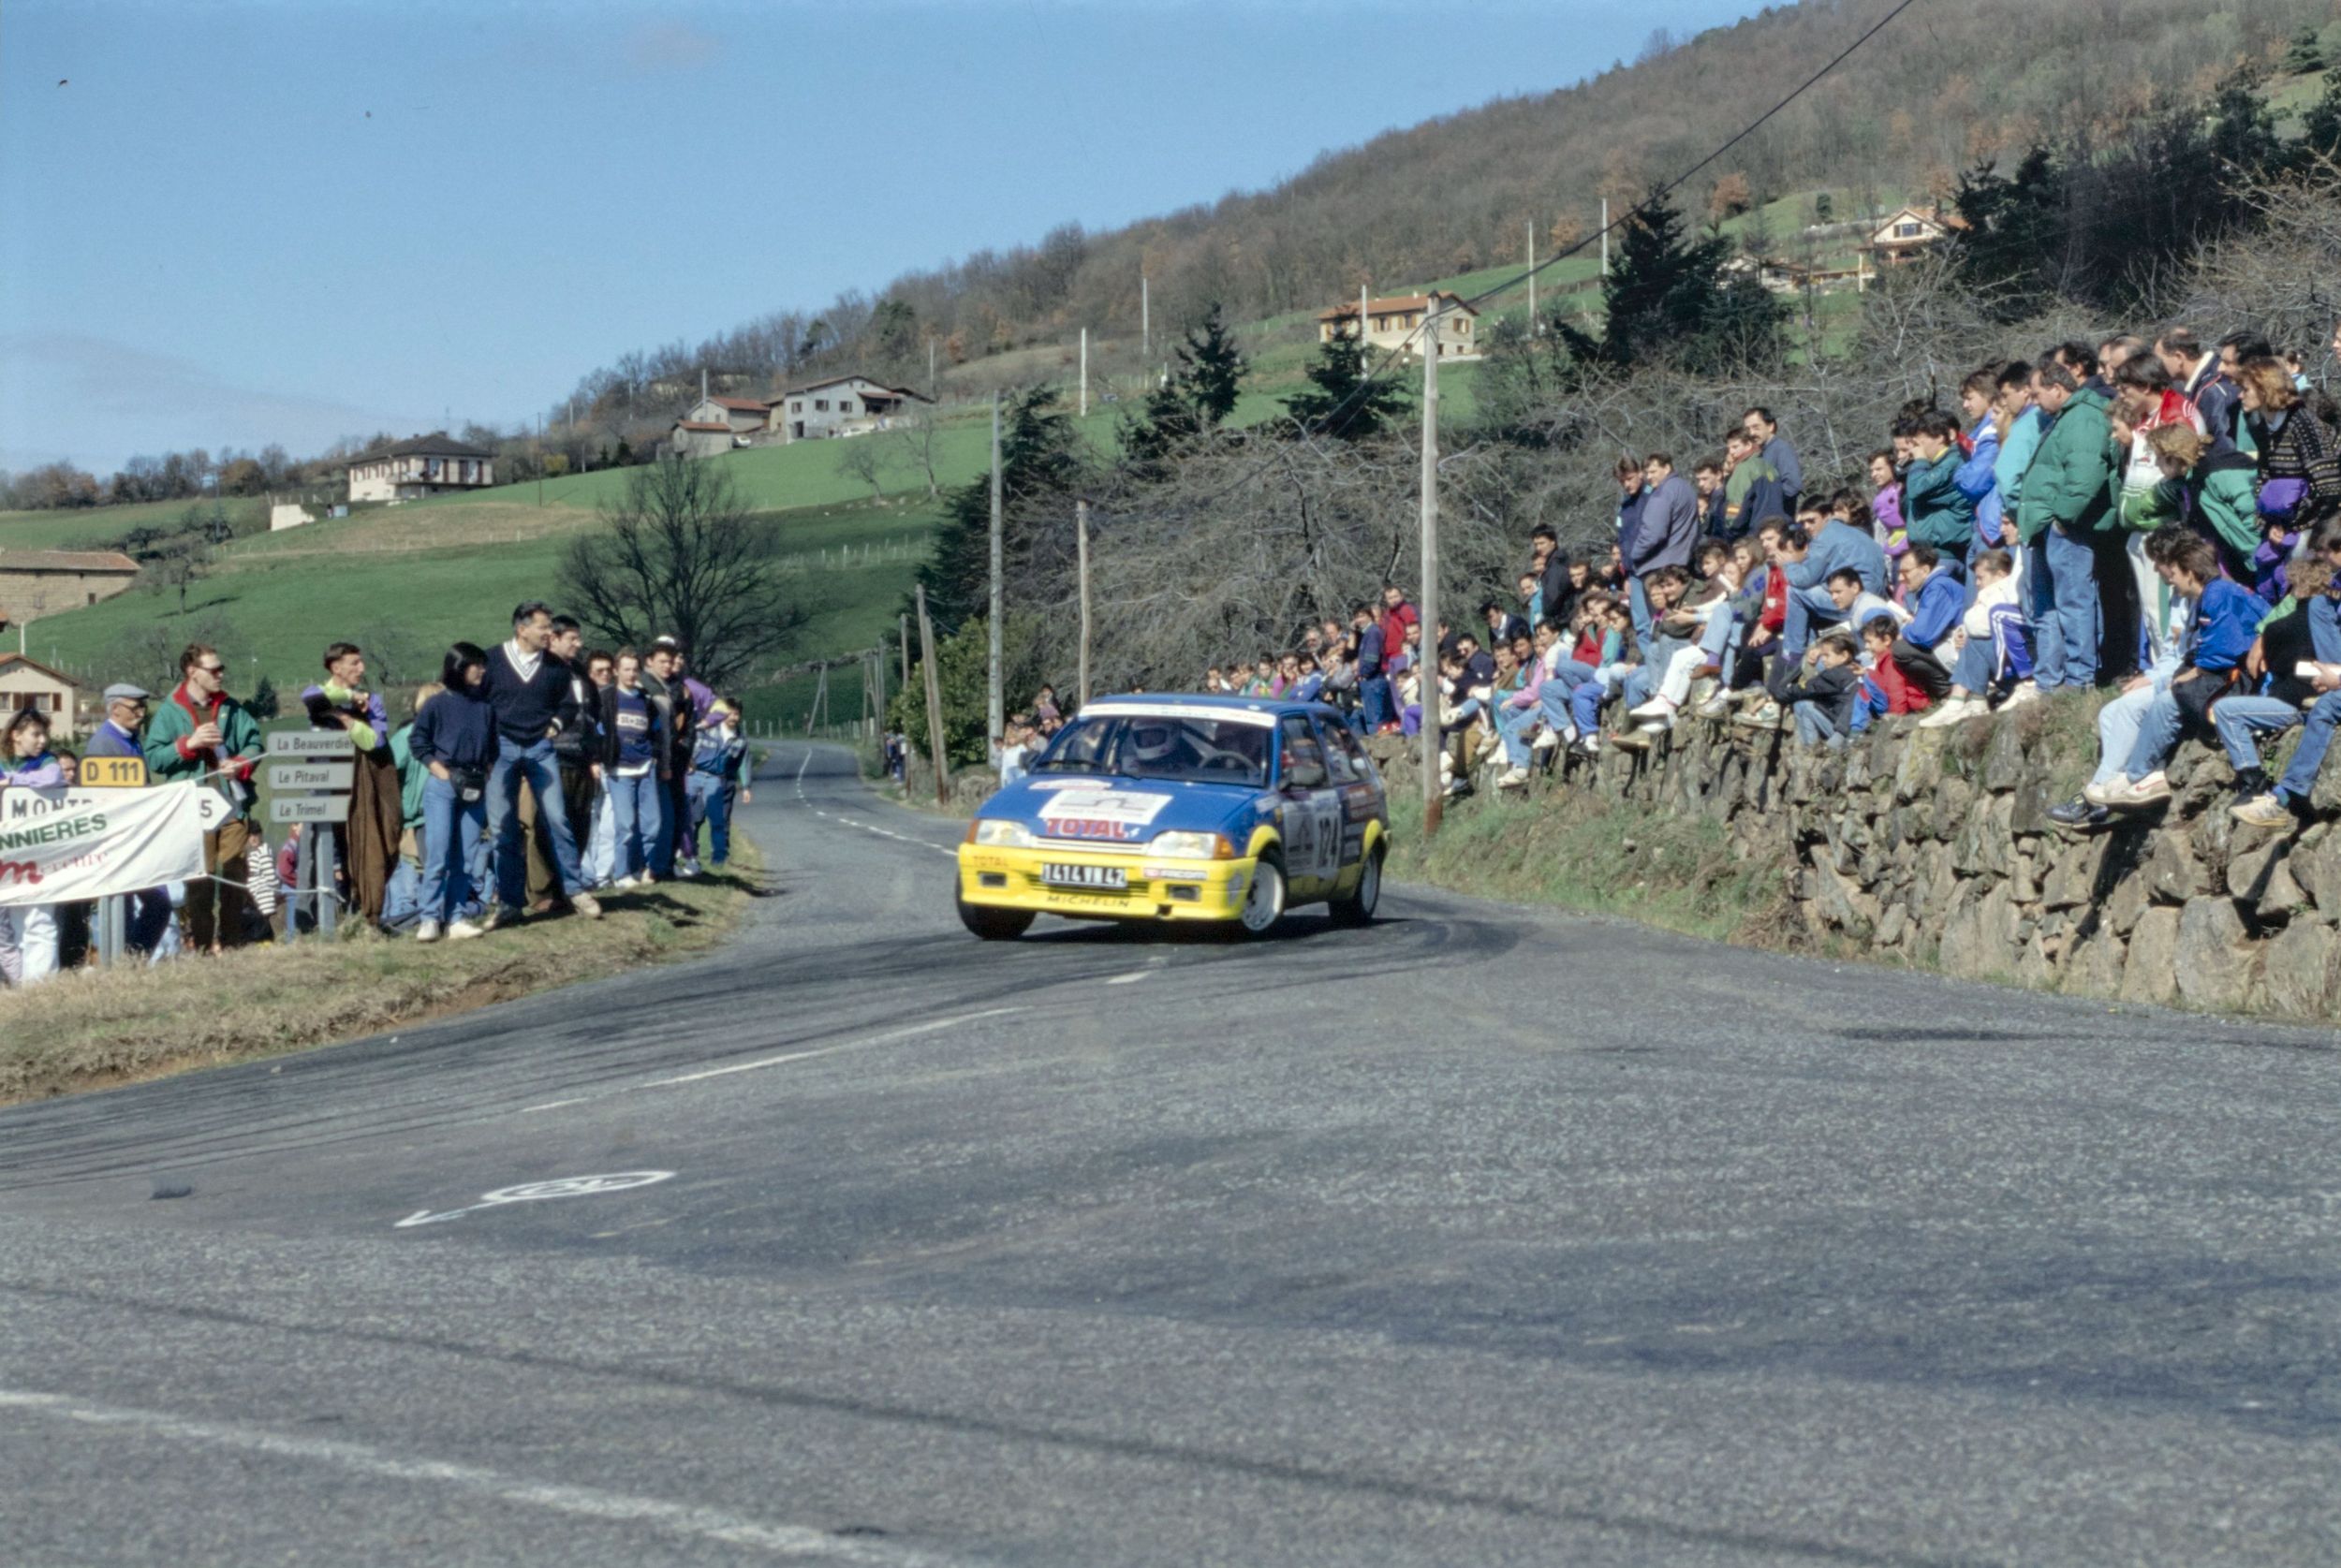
(1182,808)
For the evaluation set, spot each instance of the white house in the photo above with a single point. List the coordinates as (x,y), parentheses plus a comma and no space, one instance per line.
(740,416)
(417,467)
(1908,232)
(840,405)
(1393,323)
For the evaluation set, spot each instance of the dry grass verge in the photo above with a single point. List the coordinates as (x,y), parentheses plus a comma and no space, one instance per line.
(93,1029)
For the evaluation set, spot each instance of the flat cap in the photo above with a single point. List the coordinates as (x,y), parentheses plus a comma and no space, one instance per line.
(121,691)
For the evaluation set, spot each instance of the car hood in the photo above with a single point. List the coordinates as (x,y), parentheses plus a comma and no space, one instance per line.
(1107,811)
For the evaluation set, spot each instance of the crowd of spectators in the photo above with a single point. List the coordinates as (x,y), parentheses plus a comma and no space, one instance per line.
(2156,517)
(525,781)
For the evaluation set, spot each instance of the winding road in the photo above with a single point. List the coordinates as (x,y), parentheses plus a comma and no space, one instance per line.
(1482,1235)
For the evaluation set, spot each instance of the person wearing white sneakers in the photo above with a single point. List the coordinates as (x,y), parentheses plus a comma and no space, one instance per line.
(1998,646)
(2226,622)
(454,738)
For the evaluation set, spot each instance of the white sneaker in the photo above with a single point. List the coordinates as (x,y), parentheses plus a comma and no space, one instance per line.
(1951,711)
(690,868)
(464,931)
(2152,790)
(625,883)
(2024,691)
(1550,740)
(1513,778)
(1656,708)
(586,904)
(1714,708)
(427,931)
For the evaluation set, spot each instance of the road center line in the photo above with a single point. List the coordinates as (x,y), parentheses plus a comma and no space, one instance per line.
(930,1026)
(674,1519)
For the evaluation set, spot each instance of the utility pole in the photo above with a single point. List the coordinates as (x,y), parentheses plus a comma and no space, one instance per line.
(1080,551)
(1531,277)
(541,460)
(934,702)
(1426,674)
(930,368)
(877,679)
(903,629)
(996,706)
(1605,236)
(1085,373)
(1361,320)
(1145,322)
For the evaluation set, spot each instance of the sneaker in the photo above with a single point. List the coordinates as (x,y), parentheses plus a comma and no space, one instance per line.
(1953,711)
(2024,691)
(625,883)
(2152,790)
(427,931)
(1765,717)
(2265,811)
(1589,746)
(1513,778)
(464,931)
(587,905)
(691,868)
(1549,740)
(1632,740)
(2080,815)
(1656,708)
(498,915)
(1714,708)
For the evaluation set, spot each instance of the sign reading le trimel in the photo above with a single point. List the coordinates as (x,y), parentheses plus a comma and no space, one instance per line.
(309,775)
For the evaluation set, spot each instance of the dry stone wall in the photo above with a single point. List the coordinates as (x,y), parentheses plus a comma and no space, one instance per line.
(1934,847)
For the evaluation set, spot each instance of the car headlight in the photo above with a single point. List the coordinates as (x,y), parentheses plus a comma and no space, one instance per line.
(1000,835)
(1192,846)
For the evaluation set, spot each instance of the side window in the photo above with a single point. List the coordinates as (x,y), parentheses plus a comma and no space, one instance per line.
(1337,761)
(1303,760)
(1348,745)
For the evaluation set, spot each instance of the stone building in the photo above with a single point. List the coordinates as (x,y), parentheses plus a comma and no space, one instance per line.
(39,582)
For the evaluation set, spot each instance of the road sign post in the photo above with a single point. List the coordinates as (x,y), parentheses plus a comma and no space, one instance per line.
(311,772)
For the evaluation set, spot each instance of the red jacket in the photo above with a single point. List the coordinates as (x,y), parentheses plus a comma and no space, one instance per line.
(1395,620)
(1901,695)
(1776,616)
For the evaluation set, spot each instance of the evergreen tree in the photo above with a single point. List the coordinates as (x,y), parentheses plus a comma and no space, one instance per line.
(2307,54)
(2320,123)
(1340,400)
(1198,394)
(1039,462)
(2014,231)
(1665,289)
(264,702)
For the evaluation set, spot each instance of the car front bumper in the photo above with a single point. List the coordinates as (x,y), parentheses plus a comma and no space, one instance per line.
(1160,888)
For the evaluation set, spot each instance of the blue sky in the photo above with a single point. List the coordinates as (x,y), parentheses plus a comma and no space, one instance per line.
(238,224)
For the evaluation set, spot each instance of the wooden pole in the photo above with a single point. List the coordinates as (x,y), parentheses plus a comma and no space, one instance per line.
(934,702)
(1145,323)
(1531,277)
(1081,552)
(1426,668)
(877,677)
(1085,373)
(903,628)
(995,697)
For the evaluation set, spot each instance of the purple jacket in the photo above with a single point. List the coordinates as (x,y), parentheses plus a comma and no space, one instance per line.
(41,772)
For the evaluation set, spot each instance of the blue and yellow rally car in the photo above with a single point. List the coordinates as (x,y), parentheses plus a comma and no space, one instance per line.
(1182,808)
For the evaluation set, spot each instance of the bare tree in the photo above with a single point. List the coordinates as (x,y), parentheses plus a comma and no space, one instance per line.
(679,555)
(914,435)
(863,459)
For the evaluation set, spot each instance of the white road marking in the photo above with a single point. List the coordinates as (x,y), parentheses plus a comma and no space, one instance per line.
(591,1502)
(849,822)
(1131,978)
(536,1191)
(888,1037)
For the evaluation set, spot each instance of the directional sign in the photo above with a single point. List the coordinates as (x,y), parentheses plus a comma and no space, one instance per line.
(310,742)
(113,772)
(296,773)
(309,808)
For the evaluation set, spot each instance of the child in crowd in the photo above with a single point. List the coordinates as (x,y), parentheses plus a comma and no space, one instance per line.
(1995,653)
(1822,702)
(1886,691)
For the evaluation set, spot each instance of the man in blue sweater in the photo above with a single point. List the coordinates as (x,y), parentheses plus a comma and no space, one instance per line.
(530,692)
(1774,449)
(1936,599)
(1835,543)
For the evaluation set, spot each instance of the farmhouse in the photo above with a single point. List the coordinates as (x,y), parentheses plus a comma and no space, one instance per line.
(417,467)
(701,438)
(841,406)
(25,683)
(1909,232)
(1393,323)
(39,582)
(740,415)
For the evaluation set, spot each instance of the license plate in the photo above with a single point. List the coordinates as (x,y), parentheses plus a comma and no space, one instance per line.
(1104,879)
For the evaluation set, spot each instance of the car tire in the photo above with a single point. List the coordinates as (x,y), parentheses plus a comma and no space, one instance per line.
(1263,900)
(1357,907)
(994,924)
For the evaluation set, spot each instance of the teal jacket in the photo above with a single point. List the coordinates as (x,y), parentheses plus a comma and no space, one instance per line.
(2070,481)
(2223,493)
(1934,508)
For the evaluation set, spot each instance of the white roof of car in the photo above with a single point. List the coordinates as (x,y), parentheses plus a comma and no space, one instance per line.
(1179,710)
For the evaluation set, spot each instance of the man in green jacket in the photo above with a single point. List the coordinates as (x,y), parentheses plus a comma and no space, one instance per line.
(1935,511)
(202,730)
(2066,498)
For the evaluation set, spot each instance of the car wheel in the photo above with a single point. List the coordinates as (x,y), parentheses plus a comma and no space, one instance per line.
(1265,900)
(1357,908)
(994,924)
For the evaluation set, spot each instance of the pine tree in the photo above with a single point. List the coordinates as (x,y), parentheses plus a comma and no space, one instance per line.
(1198,394)
(1665,289)
(2320,123)
(2307,54)
(2014,230)
(1340,402)
(264,702)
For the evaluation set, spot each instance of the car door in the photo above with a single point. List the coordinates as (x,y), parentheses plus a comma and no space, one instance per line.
(1310,811)
(1354,789)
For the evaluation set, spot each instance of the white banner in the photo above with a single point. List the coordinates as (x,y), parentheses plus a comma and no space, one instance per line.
(66,845)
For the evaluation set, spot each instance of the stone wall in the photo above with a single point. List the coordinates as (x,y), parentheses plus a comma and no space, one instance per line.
(1934,847)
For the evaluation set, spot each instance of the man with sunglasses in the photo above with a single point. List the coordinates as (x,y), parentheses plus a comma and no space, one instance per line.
(201,732)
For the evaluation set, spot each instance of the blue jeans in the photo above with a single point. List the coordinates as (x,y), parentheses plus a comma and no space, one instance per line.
(2157,736)
(711,804)
(1511,727)
(1638,608)
(2241,720)
(452,833)
(146,919)
(1374,698)
(2300,774)
(402,896)
(2117,729)
(1972,674)
(1815,728)
(537,765)
(2066,617)
(638,812)
(1808,608)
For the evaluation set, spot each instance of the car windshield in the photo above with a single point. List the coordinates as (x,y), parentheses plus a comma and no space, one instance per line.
(1202,750)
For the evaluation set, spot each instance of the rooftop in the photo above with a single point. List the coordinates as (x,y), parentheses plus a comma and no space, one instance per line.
(438,443)
(66,561)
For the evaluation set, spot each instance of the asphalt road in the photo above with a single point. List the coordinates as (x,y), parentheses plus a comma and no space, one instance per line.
(1483,1235)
